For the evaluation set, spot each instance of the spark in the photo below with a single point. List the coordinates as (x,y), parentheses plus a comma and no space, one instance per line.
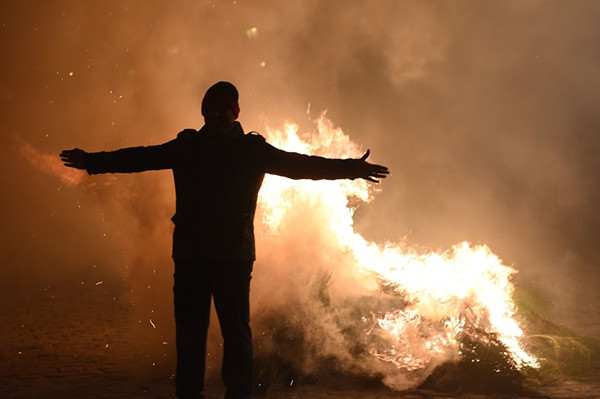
(252,33)
(153,325)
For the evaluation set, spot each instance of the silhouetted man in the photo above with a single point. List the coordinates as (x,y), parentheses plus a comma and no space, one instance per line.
(218,171)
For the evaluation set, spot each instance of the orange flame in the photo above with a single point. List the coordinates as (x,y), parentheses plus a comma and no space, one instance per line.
(443,293)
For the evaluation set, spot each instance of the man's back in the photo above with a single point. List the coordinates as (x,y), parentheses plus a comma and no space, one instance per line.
(217,179)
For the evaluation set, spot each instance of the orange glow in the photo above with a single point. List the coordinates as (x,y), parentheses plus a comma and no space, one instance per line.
(52,165)
(442,293)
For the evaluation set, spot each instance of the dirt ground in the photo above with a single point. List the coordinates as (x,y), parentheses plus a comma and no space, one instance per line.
(83,342)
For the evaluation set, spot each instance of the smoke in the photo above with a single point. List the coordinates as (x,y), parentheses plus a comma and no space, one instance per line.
(485,113)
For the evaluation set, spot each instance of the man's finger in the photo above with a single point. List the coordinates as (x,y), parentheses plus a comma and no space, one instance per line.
(378,166)
(379,175)
(69,152)
(380,169)
(366,155)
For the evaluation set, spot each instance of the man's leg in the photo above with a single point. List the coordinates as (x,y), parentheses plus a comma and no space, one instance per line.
(192,295)
(231,293)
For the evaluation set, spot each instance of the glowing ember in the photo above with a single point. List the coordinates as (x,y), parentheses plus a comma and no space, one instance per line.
(441,296)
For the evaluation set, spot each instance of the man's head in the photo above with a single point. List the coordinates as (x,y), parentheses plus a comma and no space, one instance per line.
(220,104)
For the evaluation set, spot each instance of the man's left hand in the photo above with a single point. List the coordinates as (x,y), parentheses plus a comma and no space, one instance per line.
(369,171)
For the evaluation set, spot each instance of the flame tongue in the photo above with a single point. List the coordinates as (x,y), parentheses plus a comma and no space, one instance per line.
(440,295)
(462,291)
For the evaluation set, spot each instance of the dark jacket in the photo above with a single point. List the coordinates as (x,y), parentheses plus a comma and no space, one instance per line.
(217,178)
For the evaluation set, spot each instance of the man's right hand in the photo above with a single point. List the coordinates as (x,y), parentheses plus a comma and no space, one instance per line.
(74,158)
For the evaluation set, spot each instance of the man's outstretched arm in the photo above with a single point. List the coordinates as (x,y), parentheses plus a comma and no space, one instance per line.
(125,160)
(300,166)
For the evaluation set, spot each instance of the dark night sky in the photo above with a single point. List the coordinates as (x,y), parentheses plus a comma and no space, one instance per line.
(487,114)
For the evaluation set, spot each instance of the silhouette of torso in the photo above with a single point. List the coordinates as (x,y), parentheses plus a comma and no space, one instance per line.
(217,179)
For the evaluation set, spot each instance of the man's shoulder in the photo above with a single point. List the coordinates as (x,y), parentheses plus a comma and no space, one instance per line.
(187,133)
(254,137)
(254,142)
(251,139)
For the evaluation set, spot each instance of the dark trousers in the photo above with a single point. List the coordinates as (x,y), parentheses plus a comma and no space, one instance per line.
(228,282)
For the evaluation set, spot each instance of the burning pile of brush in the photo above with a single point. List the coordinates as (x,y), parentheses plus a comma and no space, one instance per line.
(382,311)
